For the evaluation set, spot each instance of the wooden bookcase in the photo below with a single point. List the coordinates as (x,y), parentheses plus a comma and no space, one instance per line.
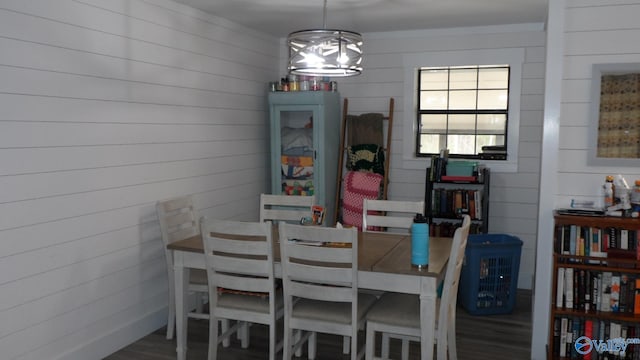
(595,268)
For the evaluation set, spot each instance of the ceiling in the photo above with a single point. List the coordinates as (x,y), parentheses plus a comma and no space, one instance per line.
(280,17)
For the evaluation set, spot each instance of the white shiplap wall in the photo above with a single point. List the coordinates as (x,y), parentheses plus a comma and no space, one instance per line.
(594,32)
(514,195)
(107,106)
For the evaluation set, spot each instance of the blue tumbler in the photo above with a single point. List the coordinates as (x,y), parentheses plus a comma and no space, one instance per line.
(420,241)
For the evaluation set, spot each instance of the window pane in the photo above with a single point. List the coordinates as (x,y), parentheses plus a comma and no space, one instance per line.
(430,144)
(492,123)
(463,79)
(461,144)
(497,78)
(433,100)
(492,99)
(434,79)
(433,123)
(462,123)
(462,100)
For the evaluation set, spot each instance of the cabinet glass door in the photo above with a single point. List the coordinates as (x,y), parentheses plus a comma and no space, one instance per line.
(297,151)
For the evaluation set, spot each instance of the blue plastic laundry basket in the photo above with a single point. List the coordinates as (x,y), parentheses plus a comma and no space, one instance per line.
(489,276)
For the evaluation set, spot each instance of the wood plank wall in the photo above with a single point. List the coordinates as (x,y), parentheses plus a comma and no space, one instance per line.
(106,107)
(596,32)
(514,195)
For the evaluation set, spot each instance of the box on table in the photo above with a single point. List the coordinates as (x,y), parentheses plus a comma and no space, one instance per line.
(461,167)
(489,276)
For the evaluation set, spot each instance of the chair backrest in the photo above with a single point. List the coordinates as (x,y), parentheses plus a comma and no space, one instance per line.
(178,220)
(239,257)
(319,263)
(287,208)
(447,311)
(389,214)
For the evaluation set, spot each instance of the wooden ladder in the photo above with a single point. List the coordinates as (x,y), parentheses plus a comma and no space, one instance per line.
(344,146)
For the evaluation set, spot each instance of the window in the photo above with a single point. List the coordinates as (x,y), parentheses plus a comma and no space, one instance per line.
(412,63)
(463,109)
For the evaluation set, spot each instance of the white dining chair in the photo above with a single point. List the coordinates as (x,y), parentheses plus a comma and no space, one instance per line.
(287,208)
(394,216)
(239,265)
(178,221)
(320,281)
(398,315)
(391,215)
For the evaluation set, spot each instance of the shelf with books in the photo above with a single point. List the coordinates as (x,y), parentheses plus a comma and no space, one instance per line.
(596,285)
(448,198)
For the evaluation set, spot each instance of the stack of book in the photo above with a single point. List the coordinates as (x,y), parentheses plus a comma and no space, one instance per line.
(493,152)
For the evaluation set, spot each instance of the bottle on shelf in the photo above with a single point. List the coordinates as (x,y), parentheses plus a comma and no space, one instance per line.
(608,191)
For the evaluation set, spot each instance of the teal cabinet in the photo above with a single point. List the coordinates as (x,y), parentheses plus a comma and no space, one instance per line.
(305,142)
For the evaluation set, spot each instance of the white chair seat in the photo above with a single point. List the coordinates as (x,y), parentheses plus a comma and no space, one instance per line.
(253,303)
(334,312)
(396,309)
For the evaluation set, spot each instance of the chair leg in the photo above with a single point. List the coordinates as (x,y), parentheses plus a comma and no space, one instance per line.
(213,337)
(346,344)
(171,319)
(272,340)
(224,327)
(385,346)
(286,341)
(311,343)
(449,342)
(297,335)
(369,344)
(405,349)
(243,334)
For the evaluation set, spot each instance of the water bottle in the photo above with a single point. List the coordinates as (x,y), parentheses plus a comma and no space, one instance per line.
(420,241)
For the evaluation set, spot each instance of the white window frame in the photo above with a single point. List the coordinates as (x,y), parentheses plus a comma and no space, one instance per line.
(413,62)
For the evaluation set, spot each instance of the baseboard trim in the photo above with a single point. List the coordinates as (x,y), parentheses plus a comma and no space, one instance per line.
(107,344)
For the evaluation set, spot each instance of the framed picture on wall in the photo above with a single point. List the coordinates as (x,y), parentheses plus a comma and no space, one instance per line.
(615,115)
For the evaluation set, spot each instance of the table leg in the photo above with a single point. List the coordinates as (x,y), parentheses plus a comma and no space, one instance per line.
(427,319)
(181,280)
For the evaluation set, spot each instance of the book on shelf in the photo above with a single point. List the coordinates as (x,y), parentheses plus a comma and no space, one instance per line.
(593,241)
(636,298)
(573,239)
(623,302)
(458,178)
(615,293)
(563,336)
(588,332)
(605,299)
(624,239)
(569,287)
(560,288)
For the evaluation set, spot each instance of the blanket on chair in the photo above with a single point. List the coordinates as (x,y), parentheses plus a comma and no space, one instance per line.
(358,185)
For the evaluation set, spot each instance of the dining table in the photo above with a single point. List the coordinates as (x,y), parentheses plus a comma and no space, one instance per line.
(384,264)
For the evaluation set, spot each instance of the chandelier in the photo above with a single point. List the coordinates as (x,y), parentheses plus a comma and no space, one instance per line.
(325,52)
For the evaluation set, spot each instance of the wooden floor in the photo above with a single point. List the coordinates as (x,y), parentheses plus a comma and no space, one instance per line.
(495,337)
